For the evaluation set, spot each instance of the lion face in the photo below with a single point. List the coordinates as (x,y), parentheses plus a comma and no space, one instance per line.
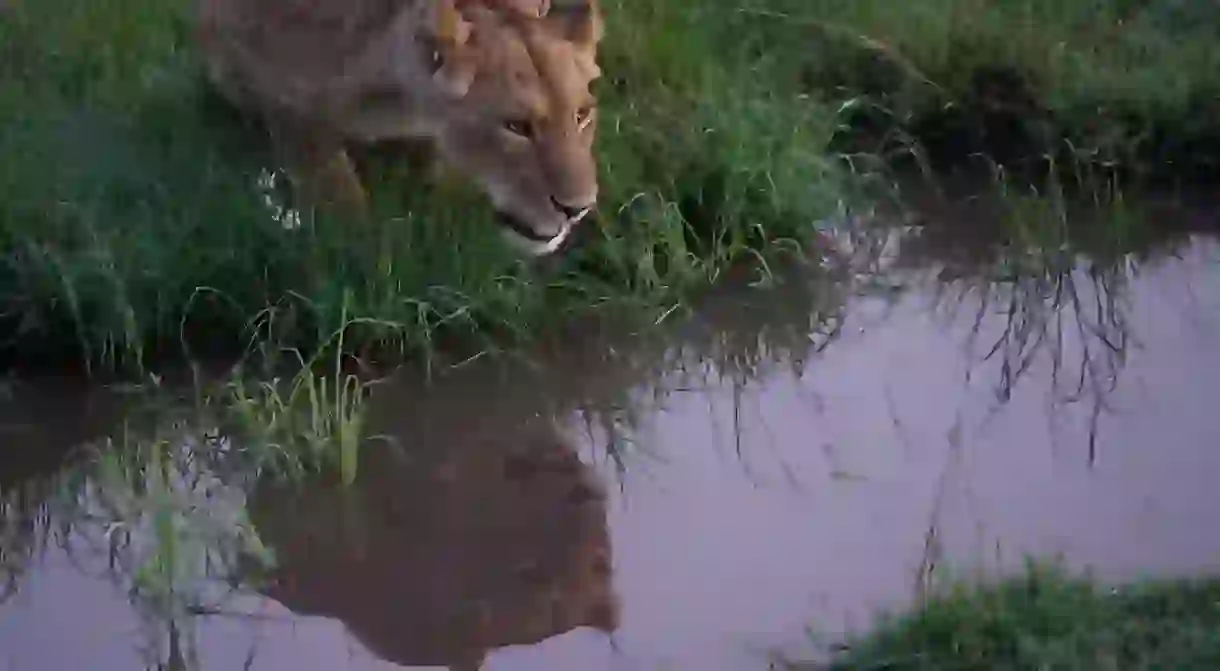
(521,118)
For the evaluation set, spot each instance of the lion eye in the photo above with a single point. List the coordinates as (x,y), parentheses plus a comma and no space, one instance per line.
(583,117)
(431,53)
(520,127)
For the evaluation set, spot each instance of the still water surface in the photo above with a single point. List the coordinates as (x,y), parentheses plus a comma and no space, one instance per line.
(782,463)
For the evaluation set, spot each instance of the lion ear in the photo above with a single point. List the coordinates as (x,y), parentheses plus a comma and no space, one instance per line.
(582,21)
(449,49)
(525,8)
(448,24)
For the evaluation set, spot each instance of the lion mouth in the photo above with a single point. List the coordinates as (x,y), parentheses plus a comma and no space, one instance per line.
(514,224)
(535,244)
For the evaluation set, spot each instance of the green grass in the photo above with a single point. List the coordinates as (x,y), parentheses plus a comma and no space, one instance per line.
(305,424)
(1050,619)
(1128,82)
(134,226)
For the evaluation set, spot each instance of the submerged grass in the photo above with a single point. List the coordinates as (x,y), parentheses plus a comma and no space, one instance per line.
(306,424)
(163,507)
(1048,618)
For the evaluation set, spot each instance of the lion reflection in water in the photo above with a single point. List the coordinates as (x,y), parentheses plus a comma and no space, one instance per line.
(465,537)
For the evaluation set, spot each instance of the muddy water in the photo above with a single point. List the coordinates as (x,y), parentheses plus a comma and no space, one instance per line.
(779,462)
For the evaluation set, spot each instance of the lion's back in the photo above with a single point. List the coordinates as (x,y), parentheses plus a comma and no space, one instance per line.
(290,49)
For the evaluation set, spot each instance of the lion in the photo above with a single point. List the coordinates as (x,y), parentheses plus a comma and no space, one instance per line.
(500,89)
(482,535)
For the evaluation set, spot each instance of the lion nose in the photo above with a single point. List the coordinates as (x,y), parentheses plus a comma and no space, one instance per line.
(572,213)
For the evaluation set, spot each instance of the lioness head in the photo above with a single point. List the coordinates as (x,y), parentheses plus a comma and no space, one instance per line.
(520,117)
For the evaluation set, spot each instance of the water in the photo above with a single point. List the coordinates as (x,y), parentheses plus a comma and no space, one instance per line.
(781,462)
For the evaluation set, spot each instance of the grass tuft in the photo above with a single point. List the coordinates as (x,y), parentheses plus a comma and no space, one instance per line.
(1048,618)
(145,220)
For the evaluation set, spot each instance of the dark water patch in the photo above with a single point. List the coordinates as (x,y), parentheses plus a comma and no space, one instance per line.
(695,496)
(962,227)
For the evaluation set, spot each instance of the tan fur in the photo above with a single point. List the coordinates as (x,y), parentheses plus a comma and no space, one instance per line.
(501,87)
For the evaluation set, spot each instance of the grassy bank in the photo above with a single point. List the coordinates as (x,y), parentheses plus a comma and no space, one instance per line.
(1050,619)
(134,222)
(132,202)
(1128,83)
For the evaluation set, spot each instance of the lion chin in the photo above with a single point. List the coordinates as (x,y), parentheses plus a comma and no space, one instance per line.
(523,238)
(501,89)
